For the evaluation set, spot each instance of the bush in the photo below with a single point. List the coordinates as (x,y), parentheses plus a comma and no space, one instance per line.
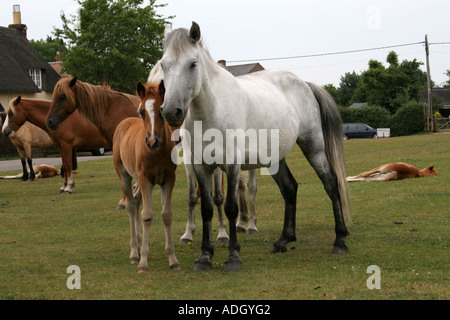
(408,119)
(374,116)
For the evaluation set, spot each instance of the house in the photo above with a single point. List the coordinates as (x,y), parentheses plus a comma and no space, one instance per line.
(442,95)
(240,70)
(23,71)
(358,105)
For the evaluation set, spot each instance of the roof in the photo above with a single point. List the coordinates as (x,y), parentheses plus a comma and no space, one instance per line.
(358,105)
(243,69)
(442,93)
(18,56)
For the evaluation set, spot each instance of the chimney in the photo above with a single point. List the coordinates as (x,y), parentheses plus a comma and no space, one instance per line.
(223,63)
(17,21)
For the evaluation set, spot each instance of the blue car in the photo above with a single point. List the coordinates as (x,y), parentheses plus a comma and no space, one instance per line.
(358,131)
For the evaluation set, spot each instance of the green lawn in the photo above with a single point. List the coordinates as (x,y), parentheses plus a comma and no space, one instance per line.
(400,226)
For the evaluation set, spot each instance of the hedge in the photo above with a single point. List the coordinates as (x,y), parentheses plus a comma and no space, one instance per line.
(407,120)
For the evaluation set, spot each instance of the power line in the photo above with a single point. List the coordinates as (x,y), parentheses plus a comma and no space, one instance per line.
(334,53)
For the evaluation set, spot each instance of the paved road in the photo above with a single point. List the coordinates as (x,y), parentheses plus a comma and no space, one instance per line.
(8,165)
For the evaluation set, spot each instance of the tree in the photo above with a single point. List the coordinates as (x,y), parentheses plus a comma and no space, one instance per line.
(447,84)
(113,42)
(49,48)
(390,87)
(347,87)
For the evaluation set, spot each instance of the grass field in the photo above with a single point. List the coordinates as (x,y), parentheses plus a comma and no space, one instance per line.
(400,226)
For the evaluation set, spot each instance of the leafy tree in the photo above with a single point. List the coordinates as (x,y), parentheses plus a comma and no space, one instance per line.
(347,87)
(49,48)
(113,42)
(390,87)
(447,84)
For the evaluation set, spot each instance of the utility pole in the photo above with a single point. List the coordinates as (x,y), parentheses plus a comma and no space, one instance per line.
(430,122)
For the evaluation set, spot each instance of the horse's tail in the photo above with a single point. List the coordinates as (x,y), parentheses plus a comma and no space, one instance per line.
(333,136)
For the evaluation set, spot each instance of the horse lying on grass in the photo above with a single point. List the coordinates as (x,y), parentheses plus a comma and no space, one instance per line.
(393,171)
(42,171)
(142,150)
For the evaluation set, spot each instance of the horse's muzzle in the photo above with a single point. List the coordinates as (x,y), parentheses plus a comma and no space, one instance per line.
(173,116)
(152,143)
(52,124)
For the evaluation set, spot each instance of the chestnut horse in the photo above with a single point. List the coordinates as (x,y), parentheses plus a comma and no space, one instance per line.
(101,105)
(393,171)
(142,150)
(41,171)
(27,137)
(74,133)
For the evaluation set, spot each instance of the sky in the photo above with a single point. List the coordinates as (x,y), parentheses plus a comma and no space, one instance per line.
(271,32)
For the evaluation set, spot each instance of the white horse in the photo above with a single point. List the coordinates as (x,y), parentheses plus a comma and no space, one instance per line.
(213,104)
(246,222)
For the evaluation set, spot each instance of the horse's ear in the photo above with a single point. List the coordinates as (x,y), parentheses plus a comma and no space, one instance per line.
(194,33)
(140,89)
(73,82)
(430,167)
(161,89)
(17,101)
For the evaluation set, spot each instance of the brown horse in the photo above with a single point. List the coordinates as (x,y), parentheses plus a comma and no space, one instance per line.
(42,171)
(393,171)
(142,150)
(74,133)
(26,137)
(101,105)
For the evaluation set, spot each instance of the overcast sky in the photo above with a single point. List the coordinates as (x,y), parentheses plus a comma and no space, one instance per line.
(254,30)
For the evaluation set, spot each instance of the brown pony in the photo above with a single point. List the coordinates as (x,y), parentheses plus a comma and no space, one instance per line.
(74,133)
(393,171)
(42,171)
(101,105)
(26,137)
(142,150)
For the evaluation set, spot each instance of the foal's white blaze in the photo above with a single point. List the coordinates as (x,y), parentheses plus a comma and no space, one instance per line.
(151,112)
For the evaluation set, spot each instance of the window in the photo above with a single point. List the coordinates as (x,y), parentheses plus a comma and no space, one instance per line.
(36,77)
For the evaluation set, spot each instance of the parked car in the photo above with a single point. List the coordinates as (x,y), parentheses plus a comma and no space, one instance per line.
(358,130)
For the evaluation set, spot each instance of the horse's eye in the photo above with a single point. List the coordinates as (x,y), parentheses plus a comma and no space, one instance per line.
(142,113)
(194,64)
(62,97)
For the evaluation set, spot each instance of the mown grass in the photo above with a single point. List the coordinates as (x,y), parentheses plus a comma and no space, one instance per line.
(400,226)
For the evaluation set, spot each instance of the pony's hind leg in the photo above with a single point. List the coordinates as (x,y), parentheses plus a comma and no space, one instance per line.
(166,212)
(288,188)
(222,237)
(252,229)
(146,219)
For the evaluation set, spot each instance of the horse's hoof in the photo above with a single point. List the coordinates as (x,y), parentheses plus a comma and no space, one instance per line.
(175,267)
(252,231)
(240,229)
(120,207)
(202,266)
(233,263)
(134,260)
(61,191)
(223,240)
(185,241)
(142,269)
(278,247)
(67,192)
(339,250)
(31,179)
